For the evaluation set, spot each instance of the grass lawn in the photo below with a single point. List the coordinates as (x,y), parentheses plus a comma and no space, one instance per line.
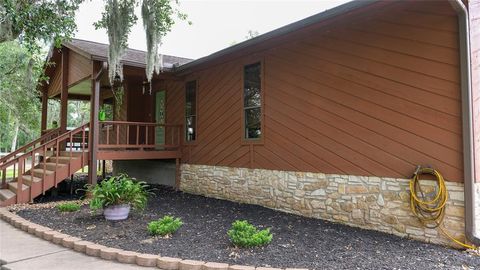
(10,172)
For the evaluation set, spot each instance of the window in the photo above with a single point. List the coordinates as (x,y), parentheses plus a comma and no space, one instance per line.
(252,101)
(191,111)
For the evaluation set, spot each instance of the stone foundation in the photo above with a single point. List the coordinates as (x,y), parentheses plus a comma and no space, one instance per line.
(376,203)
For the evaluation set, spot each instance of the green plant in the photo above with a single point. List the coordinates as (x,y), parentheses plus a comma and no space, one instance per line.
(116,190)
(68,207)
(244,234)
(164,226)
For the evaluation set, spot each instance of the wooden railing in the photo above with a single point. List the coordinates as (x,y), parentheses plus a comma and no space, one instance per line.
(60,143)
(115,135)
(29,146)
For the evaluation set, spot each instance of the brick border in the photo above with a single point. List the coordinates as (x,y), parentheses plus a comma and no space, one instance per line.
(121,256)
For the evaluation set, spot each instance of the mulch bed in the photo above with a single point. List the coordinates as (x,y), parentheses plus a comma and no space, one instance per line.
(298,241)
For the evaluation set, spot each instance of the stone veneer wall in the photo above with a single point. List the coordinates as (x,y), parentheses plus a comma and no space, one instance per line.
(369,202)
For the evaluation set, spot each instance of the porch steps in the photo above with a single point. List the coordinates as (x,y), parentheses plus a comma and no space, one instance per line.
(51,168)
(13,186)
(6,194)
(37,180)
(33,185)
(30,180)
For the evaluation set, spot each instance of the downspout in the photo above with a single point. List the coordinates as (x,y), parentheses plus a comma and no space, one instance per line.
(467,126)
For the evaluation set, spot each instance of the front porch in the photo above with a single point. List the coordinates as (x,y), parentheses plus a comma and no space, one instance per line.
(136,127)
(123,140)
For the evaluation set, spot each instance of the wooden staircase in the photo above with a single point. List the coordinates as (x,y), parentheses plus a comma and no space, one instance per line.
(44,166)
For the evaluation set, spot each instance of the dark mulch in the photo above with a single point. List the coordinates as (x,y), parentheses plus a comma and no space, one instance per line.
(298,241)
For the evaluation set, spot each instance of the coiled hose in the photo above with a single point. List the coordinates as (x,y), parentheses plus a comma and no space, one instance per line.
(431,211)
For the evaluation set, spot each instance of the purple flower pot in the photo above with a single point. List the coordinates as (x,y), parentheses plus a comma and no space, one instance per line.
(116,212)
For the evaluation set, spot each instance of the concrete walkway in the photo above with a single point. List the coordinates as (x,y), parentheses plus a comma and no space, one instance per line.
(20,250)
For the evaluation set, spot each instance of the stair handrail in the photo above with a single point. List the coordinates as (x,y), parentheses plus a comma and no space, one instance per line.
(30,144)
(48,143)
(20,160)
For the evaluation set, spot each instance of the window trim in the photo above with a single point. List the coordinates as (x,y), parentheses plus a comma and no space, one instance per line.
(261,140)
(190,142)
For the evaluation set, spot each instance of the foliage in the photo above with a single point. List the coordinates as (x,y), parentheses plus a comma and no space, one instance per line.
(164,226)
(118,19)
(36,22)
(158,19)
(78,113)
(251,34)
(68,207)
(244,234)
(20,71)
(117,190)
(44,21)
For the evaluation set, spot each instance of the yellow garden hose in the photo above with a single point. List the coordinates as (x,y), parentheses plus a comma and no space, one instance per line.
(431,211)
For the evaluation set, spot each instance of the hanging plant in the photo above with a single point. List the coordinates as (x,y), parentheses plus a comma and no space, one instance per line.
(118,91)
(158,20)
(118,18)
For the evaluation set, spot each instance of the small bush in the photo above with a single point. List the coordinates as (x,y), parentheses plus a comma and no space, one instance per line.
(164,226)
(68,207)
(244,234)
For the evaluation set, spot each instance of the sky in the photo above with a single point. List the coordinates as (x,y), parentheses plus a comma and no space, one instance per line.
(216,24)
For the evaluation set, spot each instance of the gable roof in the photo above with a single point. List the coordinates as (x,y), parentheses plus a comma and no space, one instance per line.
(99,51)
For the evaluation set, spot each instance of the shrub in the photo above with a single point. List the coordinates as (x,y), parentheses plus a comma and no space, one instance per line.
(164,226)
(68,207)
(244,234)
(117,190)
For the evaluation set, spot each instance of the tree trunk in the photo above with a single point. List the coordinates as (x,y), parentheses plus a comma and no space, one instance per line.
(15,137)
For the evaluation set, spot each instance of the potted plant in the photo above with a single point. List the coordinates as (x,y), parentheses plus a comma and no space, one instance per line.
(102,114)
(117,195)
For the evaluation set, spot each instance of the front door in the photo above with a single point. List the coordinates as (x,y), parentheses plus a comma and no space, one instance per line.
(160,117)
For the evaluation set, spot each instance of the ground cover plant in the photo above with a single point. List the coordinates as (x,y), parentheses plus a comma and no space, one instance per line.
(118,190)
(68,207)
(244,234)
(164,226)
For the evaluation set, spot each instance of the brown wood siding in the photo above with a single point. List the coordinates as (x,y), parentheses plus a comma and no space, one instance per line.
(55,81)
(376,96)
(80,68)
(474,12)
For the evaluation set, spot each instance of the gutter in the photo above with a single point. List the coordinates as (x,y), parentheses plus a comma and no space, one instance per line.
(467,121)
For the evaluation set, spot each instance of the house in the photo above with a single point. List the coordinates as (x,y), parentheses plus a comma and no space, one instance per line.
(326,117)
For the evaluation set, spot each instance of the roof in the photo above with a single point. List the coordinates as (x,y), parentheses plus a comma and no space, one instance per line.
(132,57)
(317,18)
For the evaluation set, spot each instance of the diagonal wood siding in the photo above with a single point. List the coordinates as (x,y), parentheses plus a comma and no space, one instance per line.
(374,96)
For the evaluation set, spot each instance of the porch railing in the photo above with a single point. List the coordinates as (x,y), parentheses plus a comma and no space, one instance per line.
(115,135)
(54,146)
(31,145)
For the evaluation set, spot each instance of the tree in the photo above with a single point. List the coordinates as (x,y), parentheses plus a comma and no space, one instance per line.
(19,73)
(43,21)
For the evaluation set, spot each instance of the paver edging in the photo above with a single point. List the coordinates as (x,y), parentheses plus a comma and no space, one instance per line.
(119,255)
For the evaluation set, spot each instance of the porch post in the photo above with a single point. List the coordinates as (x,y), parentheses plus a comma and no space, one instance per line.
(93,132)
(64,91)
(43,125)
